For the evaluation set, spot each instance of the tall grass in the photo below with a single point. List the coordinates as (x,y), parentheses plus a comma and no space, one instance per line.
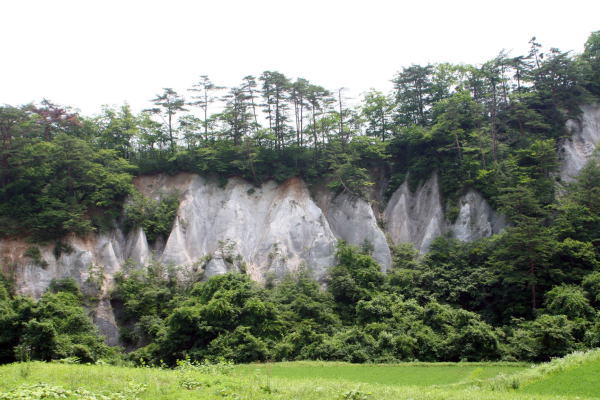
(515,381)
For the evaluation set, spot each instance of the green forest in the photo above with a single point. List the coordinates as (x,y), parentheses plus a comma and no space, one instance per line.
(530,293)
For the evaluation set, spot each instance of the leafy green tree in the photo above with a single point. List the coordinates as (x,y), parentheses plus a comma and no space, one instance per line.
(494,95)
(155,217)
(578,211)
(190,126)
(223,316)
(66,180)
(521,262)
(56,326)
(455,118)
(377,109)
(304,303)
(474,341)
(152,137)
(455,273)
(54,119)
(298,95)
(319,100)
(545,337)
(413,95)
(275,88)
(10,323)
(249,86)
(591,283)
(572,260)
(558,80)
(239,346)
(522,118)
(346,173)
(356,277)
(236,116)
(204,97)
(591,63)
(15,125)
(568,300)
(351,345)
(117,130)
(168,104)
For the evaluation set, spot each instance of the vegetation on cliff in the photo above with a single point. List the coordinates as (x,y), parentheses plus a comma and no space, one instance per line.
(529,293)
(494,126)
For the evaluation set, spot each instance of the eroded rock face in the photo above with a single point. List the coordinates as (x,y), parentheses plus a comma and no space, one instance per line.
(92,262)
(352,219)
(272,229)
(585,136)
(476,219)
(418,217)
(267,232)
(136,247)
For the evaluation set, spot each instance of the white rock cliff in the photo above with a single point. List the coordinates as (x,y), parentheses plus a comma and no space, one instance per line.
(270,230)
(267,231)
(418,217)
(585,136)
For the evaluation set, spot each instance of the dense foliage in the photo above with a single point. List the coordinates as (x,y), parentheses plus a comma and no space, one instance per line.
(495,298)
(364,315)
(529,293)
(154,216)
(55,327)
(494,126)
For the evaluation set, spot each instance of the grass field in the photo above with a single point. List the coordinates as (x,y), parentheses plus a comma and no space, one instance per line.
(407,374)
(579,381)
(574,377)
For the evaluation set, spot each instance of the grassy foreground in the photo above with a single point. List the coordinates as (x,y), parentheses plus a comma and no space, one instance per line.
(572,377)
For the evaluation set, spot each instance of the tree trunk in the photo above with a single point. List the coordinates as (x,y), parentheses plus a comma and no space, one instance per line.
(533,288)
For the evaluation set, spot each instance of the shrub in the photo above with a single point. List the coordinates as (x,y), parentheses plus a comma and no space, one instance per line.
(591,283)
(477,341)
(351,345)
(546,337)
(568,300)
(61,248)
(34,253)
(67,285)
(239,346)
(155,217)
(592,336)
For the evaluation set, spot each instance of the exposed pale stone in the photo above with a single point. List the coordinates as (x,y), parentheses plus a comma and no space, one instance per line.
(265,231)
(272,229)
(417,217)
(136,247)
(585,136)
(269,230)
(352,219)
(476,219)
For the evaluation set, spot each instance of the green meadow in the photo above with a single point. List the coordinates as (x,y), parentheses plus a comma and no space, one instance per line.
(572,377)
(405,374)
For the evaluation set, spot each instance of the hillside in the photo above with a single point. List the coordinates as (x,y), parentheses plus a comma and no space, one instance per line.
(456,218)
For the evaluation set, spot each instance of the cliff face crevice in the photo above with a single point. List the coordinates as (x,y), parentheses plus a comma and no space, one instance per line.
(268,231)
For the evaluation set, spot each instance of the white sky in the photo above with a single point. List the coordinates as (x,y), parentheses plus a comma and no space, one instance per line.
(85,53)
